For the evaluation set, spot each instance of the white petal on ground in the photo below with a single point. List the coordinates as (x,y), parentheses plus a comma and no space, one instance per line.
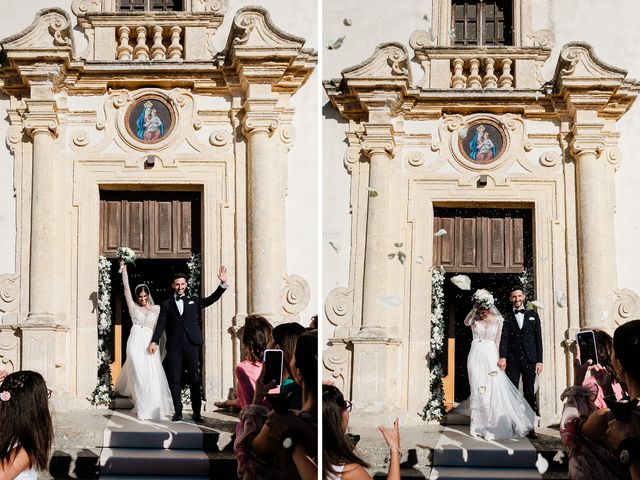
(542,464)
(561,299)
(336,45)
(347,22)
(462,282)
(420,260)
(334,246)
(440,233)
(388,302)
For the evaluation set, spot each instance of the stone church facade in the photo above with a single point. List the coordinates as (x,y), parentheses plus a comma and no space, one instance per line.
(217,173)
(402,152)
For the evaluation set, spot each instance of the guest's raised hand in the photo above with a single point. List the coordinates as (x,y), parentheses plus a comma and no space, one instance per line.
(260,389)
(580,370)
(222,274)
(392,437)
(601,376)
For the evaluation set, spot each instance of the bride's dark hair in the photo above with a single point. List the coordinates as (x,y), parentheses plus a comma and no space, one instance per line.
(142,288)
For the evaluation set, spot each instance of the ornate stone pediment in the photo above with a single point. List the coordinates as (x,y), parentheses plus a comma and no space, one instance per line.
(389,62)
(49,34)
(578,62)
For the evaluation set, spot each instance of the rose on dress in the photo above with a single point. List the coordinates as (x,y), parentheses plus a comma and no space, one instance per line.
(126,255)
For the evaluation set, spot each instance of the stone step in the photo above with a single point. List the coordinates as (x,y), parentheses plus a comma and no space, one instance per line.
(457,448)
(462,473)
(153,462)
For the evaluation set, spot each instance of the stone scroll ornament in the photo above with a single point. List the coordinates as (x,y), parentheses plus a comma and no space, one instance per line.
(339,306)
(295,294)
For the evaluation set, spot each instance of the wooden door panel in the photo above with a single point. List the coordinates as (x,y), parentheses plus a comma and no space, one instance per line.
(161,230)
(134,226)
(111,213)
(183,228)
(517,244)
(466,249)
(443,249)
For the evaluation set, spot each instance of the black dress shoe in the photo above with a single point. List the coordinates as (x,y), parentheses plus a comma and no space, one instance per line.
(532,434)
(197,418)
(176,417)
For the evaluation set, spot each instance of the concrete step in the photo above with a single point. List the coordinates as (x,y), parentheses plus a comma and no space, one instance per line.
(462,473)
(457,448)
(153,461)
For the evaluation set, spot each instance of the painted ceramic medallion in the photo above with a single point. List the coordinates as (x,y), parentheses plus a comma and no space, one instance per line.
(482,142)
(150,119)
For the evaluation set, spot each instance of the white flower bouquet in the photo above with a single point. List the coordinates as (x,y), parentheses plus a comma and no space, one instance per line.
(126,255)
(484,298)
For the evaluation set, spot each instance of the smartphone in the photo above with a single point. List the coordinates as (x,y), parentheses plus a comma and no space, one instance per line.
(272,366)
(587,346)
(279,402)
(622,410)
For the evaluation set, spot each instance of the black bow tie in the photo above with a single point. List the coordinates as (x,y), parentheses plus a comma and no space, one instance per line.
(182,298)
(518,311)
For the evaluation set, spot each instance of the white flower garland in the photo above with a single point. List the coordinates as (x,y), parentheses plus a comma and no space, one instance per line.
(194,264)
(434,409)
(103,393)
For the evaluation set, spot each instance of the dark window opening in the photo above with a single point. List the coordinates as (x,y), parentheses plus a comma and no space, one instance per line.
(150,5)
(482,22)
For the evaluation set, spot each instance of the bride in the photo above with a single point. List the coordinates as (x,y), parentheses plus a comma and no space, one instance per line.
(142,377)
(498,409)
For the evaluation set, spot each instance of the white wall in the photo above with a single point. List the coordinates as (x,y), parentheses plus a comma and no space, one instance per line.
(612,32)
(298,18)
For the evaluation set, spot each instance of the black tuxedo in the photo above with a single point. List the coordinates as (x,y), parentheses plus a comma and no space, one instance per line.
(184,338)
(523,349)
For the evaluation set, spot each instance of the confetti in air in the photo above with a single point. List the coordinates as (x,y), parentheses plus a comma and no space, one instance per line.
(334,246)
(388,302)
(440,233)
(420,260)
(372,192)
(535,304)
(561,299)
(335,45)
(462,282)
(542,464)
(347,22)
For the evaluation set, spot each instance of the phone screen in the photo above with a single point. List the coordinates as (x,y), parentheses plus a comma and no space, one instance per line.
(587,346)
(272,366)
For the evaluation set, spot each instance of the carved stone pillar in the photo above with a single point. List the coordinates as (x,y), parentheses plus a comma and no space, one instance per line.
(596,242)
(265,209)
(41,125)
(378,145)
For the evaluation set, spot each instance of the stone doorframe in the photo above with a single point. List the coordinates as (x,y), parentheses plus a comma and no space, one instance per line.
(233,132)
(403,158)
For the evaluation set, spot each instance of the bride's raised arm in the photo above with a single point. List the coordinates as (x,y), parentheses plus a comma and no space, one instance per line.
(470,318)
(126,287)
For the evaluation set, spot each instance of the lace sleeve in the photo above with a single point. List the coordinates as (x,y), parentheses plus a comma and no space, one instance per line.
(499,321)
(127,291)
(471,318)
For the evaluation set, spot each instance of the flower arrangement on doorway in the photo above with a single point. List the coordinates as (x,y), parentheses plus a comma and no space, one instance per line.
(434,409)
(103,393)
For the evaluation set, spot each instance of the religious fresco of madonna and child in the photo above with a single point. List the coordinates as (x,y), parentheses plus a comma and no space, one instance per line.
(150,119)
(482,142)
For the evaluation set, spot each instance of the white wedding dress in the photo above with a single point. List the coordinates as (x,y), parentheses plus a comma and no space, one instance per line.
(498,409)
(142,377)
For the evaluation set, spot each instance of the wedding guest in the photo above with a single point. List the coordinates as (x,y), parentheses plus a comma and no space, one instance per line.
(26,431)
(285,337)
(339,460)
(282,445)
(256,335)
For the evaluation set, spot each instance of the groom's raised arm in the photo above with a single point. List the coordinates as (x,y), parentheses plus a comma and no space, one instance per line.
(215,296)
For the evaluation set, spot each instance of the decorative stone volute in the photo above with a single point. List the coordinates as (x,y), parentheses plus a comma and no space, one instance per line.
(587,83)
(259,52)
(41,117)
(378,138)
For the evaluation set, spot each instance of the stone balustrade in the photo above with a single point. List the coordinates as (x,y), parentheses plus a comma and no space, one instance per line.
(150,42)
(486,68)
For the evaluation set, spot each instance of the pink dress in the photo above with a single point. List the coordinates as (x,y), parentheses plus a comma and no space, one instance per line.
(247,373)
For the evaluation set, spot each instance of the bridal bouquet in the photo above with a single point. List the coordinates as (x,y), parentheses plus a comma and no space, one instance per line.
(484,298)
(126,255)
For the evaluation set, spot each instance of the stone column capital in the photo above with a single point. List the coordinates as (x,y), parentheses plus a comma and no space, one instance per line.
(35,124)
(587,146)
(256,122)
(378,138)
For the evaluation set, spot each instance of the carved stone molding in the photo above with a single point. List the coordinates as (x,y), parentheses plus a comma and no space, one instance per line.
(9,291)
(550,158)
(83,7)
(351,157)
(50,29)
(613,156)
(336,360)
(295,294)
(288,135)
(35,124)
(210,6)
(13,138)
(422,38)
(389,61)
(587,146)
(415,158)
(220,138)
(260,122)
(339,306)
(626,307)
(9,349)
(378,138)
(80,138)
(541,38)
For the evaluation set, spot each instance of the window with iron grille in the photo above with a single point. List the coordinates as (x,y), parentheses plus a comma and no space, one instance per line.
(482,22)
(150,5)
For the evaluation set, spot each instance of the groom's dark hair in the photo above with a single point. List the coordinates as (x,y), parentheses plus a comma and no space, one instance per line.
(179,275)
(516,287)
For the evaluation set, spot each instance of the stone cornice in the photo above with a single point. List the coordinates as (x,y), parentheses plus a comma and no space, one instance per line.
(259,52)
(584,82)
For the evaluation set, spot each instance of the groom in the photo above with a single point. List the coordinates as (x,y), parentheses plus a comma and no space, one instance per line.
(521,347)
(180,315)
